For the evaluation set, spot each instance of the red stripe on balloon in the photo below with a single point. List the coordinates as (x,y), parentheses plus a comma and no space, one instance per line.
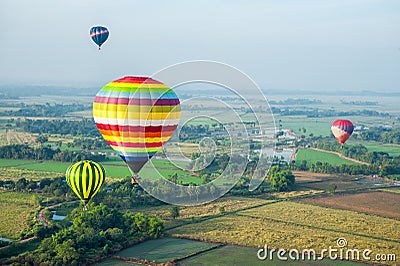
(144,80)
(137,144)
(136,101)
(110,133)
(124,129)
(339,123)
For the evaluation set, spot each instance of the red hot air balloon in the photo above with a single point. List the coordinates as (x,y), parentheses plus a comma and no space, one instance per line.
(342,130)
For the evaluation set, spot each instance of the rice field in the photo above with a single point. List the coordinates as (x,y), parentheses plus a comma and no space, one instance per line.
(257,232)
(229,203)
(164,249)
(236,255)
(16,208)
(297,225)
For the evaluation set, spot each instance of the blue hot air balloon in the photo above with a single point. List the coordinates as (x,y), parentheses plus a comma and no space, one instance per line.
(99,34)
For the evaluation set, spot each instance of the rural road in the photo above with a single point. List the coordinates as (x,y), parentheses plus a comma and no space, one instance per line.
(40,214)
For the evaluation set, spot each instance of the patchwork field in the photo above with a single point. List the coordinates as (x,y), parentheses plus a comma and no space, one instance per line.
(374,202)
(296,225)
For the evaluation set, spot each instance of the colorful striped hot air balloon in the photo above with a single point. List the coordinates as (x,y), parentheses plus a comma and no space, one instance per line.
(136,116)
(342,130)
(99,34)
(85,178)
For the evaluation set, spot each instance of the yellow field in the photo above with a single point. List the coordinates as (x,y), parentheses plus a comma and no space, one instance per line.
(229,204)
(15,174)
(15,137)
(330,219)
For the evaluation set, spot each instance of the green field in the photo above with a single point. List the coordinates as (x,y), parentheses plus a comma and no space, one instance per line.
(313,156)
(164,249)
(235,255)
(115,262)
(113,168)
(15,208)
(9,162)
(391,149)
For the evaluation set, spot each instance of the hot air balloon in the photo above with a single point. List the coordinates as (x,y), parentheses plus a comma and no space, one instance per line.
(342,130)
(85,178)
(99,34)
(136,116)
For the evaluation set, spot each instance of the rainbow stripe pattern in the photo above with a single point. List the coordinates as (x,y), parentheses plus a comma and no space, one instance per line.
(136,116)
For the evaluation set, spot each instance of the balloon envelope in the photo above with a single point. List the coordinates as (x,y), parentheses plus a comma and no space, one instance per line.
(136,116)
(85,178)
(99,34)
(342,130)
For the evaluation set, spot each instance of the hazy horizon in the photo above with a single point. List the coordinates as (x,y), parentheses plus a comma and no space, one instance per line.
(304,45)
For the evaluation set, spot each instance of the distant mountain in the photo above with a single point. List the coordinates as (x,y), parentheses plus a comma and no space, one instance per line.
(330,92)
(16,91)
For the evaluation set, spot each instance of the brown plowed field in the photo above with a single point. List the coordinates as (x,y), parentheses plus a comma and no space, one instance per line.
(374,202)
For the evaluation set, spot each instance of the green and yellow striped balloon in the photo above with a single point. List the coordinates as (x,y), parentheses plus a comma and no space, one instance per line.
(85,178)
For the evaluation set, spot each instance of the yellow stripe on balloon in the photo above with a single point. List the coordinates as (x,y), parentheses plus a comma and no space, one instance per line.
(89,187)
(72,180)
(137,140)
(136,108)
(84,176)
(136,85)
(142,116)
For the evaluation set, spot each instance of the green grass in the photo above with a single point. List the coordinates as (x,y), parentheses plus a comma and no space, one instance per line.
(49,166)
(191,179)
(315,126)
(165,249)
(9,162)
(234,255)
(312,156)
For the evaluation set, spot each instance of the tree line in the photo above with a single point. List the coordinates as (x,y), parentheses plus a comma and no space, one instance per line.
(24,151)
(315,112)
(83,127)
(46,110)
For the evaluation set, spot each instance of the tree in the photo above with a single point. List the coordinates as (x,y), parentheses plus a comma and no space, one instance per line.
(332,188)
(42,139)
(281,180)
(174,211)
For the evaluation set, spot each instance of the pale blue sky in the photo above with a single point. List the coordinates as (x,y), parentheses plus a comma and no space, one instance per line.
(285,44)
